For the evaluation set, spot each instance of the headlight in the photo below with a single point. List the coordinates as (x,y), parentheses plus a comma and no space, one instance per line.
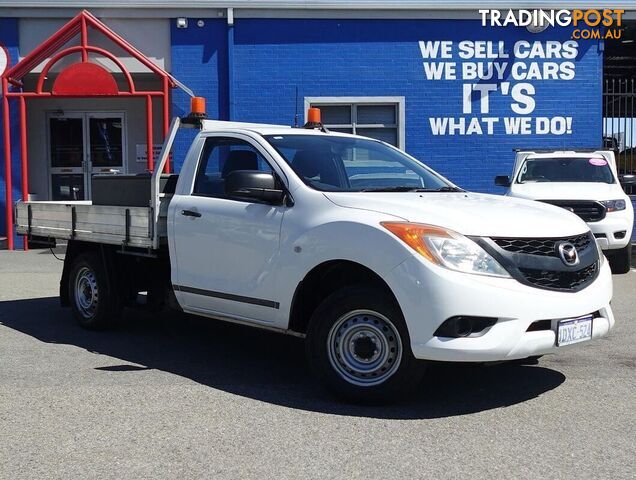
(446,248)
(614,205)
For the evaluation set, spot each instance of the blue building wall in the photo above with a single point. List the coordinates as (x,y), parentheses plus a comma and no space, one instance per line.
(383,58)
(199,59)
(9,40)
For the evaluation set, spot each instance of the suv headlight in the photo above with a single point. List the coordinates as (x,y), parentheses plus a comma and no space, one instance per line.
(614,205)
(446,248)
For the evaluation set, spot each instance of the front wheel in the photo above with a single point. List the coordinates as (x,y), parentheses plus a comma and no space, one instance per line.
(358,345)
(620,259)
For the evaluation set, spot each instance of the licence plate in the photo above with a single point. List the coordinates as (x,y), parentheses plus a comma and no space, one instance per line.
(574,330)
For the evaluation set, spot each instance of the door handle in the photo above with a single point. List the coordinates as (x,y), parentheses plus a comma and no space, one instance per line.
(190,213)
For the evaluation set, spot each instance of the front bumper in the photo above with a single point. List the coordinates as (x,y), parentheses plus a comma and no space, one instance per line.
(606,230)
(428,295)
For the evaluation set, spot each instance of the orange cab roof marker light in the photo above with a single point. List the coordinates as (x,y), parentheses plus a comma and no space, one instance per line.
(313,115)
(314,120)
(197,107)
(197,113)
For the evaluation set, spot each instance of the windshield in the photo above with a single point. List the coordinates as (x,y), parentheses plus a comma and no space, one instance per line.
(578,169)
(334,163)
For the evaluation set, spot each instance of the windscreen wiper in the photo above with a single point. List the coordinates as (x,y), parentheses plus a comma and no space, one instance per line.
(397,188)
(403,188)
(445,189)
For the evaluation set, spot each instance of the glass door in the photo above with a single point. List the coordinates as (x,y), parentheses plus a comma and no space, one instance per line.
(66,153)
(82,145)
(106,143)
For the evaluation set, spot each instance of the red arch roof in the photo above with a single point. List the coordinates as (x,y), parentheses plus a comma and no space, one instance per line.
(79,25)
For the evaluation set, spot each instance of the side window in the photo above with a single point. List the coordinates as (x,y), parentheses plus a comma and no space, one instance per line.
(220,157)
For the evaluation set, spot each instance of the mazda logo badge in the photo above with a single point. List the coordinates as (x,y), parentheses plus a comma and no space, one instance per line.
(568,254)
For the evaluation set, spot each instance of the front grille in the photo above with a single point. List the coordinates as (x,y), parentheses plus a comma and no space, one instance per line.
(560,280)
(589,211)
(542,246)
(536,262)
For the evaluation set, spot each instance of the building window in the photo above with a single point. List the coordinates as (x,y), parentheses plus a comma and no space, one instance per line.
(381,118)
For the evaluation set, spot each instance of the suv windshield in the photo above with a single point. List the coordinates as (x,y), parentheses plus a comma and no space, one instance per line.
(333,163)
(577,169)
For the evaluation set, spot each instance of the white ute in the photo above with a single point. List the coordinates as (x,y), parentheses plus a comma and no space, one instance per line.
(585,183)
(377,260)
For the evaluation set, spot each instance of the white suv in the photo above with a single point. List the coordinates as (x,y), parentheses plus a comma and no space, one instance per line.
(585,183)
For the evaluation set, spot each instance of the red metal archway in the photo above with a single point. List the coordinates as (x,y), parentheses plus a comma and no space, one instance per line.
(80,79)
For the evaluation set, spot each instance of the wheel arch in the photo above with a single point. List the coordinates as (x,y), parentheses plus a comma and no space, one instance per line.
(324,279)
(125,274)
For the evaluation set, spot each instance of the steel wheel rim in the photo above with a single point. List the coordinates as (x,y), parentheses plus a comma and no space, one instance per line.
(86,292)
(364,348)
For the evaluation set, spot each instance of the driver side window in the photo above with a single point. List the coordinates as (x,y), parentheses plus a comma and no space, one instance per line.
(222,156)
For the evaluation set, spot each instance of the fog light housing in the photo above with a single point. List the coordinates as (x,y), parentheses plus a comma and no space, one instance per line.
(464,326)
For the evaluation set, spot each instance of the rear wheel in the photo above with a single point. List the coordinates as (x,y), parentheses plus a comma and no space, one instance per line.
(93,303)
(620,259)
(358,345)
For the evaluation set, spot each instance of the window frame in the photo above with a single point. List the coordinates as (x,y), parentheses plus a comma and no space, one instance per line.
(398,102)
(230,136)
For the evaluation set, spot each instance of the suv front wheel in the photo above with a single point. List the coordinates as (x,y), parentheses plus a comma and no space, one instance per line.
(620,259)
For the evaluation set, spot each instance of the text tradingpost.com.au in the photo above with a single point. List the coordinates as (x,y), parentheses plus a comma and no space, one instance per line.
(588,24)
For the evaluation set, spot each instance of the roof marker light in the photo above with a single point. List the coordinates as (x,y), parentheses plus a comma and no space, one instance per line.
(313,115)
(197,113)
(314,121)
(197,107)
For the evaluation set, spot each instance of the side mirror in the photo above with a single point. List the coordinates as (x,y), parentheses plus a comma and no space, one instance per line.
(502,180)
(254,185)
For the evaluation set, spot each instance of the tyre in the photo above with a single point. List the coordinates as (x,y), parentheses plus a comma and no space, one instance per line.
(93,303)
(620,260)
(358,346)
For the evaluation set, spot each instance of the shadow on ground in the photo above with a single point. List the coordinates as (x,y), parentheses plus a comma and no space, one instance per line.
(267,366)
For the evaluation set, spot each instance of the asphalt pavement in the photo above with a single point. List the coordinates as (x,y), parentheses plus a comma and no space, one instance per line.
(173,396)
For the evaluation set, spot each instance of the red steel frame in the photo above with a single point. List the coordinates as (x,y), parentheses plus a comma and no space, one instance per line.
(51,48)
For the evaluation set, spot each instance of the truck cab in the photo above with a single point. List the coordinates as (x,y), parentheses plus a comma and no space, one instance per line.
(585,183)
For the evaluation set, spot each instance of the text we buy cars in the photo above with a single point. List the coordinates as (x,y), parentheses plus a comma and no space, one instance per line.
(589,24)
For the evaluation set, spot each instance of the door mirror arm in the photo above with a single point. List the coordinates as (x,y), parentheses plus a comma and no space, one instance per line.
(266,195)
